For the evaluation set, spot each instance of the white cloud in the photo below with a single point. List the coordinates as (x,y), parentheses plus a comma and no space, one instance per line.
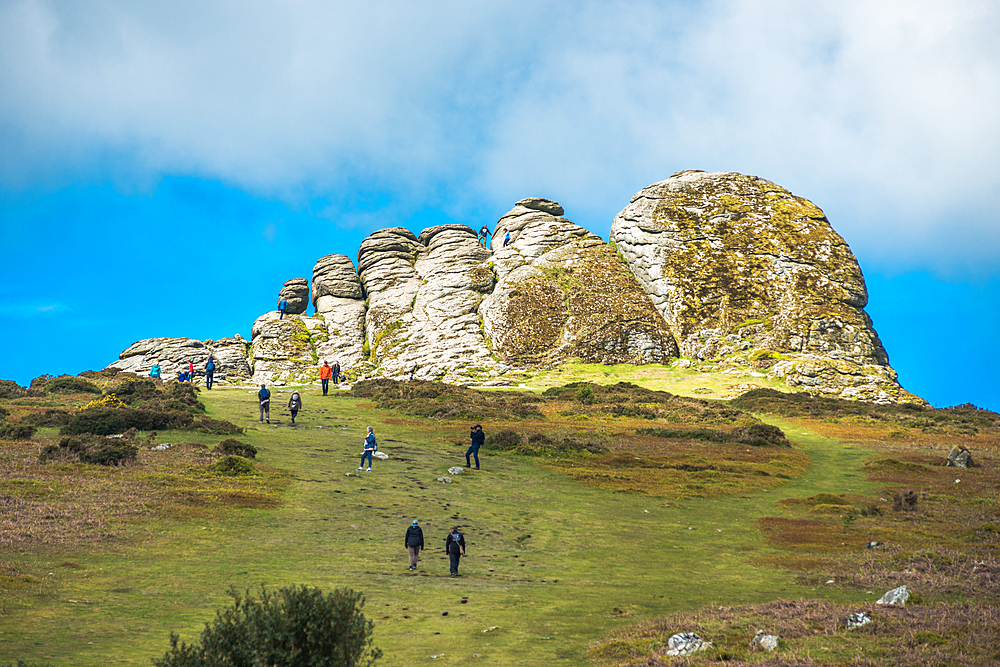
(882,113)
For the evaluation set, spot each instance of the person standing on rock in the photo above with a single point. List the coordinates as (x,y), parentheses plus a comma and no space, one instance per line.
(190,371)
(371,446)
(484,235)
(506,238)
(154,372)
(209,372)
(477,438)
(325,373)
(264,396)
(295,404)
(414,542)
(454,544)
(336,371)
(282,307)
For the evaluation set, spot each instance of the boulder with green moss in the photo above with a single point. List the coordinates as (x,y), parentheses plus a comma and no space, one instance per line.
(749,275)
(339,300)
(283,350)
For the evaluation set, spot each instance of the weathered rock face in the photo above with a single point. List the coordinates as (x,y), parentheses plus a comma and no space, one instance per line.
(339,300)
(423,296)
(744,271)
(283,350)
(174,355)
(296,291)
(564,293)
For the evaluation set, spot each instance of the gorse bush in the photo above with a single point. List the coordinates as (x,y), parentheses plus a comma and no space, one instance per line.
(19,431)
(68,384)
(92,449)
(296,626)
(237,448)
(233,466)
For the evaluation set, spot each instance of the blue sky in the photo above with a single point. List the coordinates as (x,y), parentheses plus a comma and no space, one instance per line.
(165,167)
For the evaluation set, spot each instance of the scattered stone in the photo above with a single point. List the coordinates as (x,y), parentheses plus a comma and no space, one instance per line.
(857,619)
(959,457)
(381,455)
(897,596)
(444,480)
(872,545)
(456,471)
(492,628)
(163,447)
(351,474)
(686,643)
(763,641)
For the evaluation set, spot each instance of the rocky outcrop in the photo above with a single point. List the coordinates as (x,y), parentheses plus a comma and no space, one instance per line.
(563,293)
(174,354)
(283,350)
(296,291)
(746,273)
(423,297)
(339,300)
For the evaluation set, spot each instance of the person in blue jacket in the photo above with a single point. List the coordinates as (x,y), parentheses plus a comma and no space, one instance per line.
(506,238)
(478,438)
(371,446)
(282,307)
(209,371)
(264,396)
(154,372)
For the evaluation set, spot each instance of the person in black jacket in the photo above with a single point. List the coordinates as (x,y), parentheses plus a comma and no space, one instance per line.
(414,542)
(478,438)
(454,544)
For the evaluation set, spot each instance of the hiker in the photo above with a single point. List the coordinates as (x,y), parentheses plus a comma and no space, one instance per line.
(264,396)
(484,234)
(182,377)
(506,238)
(478,438)
(295,404)
(414,542)
(209,371)
(336,372)
(454,544)
(325,373)
(371,446)
(190,371)
(282,307)
(154,372)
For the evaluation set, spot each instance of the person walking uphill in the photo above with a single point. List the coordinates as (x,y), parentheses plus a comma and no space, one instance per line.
(454,544)
(325,373)
(414,542)
(282,307)
(371,446)
(264,396)
(478,438)
(209,372)
(295,404)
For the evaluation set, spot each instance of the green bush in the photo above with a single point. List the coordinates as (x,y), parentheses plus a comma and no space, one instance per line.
(108,420)
(234,466)
(3,413)
(68,384)
(91,449)
(51,417)
(11,389)
(234,446)
(754,435)
(539,444)
(19,431)
(294,626)
(216,427)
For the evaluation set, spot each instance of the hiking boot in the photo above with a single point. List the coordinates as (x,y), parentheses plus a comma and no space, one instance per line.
(369,470)
(359,469)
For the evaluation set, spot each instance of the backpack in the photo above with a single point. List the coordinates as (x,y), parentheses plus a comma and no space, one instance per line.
(210,366)
(294,405)
(454,546)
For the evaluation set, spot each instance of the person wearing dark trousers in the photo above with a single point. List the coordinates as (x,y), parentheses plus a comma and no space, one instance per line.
(454,544)
(371,446)
(282,307)
(325,373)
(336,372)
(414,542)
(295,404)
(264,396)
(478,438)
(209,372)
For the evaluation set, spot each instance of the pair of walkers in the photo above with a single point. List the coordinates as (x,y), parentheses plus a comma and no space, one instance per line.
(327,373)
(454,545)
(264,396)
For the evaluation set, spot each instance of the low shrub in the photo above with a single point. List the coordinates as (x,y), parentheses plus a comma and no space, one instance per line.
(438,400)
(11,389)
(51,417)
(18,431)
(68,384)
(234,446)
(540,444)
(91,449)
(234,466)
(108,420)
(216,427)
(753,435)
(296,625)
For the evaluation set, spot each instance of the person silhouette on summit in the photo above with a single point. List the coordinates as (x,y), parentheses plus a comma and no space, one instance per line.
(282,307)
(484,234)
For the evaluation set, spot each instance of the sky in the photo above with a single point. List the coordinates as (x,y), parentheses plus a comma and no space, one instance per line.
(165,167)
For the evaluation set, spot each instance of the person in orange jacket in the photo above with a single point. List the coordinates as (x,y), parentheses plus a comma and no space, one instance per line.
(325,373)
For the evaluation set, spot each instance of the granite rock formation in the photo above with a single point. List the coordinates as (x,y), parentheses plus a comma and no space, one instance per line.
(339,300)
(283,350)
(296,291)
(746,273)
(174,354)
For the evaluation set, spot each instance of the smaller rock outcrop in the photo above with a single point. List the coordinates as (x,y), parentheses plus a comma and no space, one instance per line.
(296,291)
(283,350)
(686,643)
(339,300)
(857,619)
(959,457)
(763,642)
(175,354)
(897,596)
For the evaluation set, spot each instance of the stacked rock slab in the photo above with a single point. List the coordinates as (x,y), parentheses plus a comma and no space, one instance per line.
(339,300)
(296,291)
(562,293)
(746,273)
(283,350)
(423,296)
(175,354)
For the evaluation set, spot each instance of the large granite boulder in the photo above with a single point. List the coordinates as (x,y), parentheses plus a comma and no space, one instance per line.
(562,293)
(423,296)
(174,354)
(296,291)
(339,301)
(283,350)
(746,273)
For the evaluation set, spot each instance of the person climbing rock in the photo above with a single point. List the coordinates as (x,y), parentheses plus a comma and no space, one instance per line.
(484,235)
(325,373)
(414,542)
(295,404)
(209,372)
(264,396)
(371,446)
(477,438)
(506,238)
(454,544)
(282,307)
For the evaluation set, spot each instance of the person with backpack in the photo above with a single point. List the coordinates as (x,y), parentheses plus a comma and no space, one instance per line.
(264,396)
(282,307)
(506,238)
(154,372)
(477,438)
(209,372)
(454,545)
(295,404)
(325,373)
(371,446)
(336,372)
(414,542)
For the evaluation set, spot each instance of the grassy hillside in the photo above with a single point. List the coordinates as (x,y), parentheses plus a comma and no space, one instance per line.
(610,533)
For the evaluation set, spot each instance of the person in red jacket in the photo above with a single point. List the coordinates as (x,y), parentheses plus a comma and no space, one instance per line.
(325,373)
